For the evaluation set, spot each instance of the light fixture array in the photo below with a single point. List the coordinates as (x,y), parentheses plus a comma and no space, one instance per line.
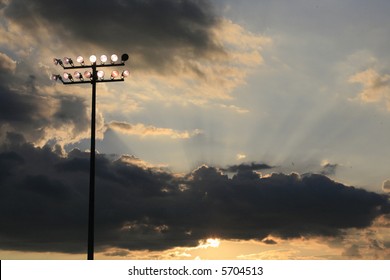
(90,76)
(94,74)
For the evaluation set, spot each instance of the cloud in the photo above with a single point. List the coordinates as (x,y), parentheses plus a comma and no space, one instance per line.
(17,104)
(240,156)
(386,186)
(26,107)
(247,167)
(352,252)
(132,160)
(376,86)
(165,39)
(7,63)
(149,130)
(140,207)
(329,169)
(155,31)
(117,253)
(181,51)
(152,29)
(282,254)
(235,108)
(269,241)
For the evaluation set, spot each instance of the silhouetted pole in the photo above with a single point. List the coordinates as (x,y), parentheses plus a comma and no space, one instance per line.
(91,210)
(93,78)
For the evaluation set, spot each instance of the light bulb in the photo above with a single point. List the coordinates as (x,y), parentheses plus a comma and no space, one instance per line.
(125,73)
(54,77)
(114,74)
(92,58)
(100,74)
(57,61)
(103,58)
(87,74)
(67,76)
(80,59)
(78,75)
(114,58)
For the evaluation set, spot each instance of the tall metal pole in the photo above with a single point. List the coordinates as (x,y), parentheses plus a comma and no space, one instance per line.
(91,212)
(68,80)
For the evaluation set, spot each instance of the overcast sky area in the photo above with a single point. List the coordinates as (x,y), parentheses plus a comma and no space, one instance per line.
(246,130)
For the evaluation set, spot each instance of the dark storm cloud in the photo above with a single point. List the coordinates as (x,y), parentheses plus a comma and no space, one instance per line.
(24,108)
(8,162)
(269,242)
(329,169)
(159,36)
(72,110)
(20,107)
(157,32)
(247,167)
(14,105)
(43,204)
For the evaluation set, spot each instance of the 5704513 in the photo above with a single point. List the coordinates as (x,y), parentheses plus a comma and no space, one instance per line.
(244,270)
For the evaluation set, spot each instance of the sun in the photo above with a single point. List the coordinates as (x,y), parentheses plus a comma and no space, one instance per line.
(209,242)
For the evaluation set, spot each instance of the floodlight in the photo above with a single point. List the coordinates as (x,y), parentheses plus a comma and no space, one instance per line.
(58,61)
(125,73)
(80,59)
(78,75)
(100,74)
(68,60)
(114,58)
(55,77)
(87,74)
(67,76)
(114,74)
(103,59)
(92,58)
(125,57)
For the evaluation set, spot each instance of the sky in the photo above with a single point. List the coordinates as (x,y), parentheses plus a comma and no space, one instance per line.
(246,130)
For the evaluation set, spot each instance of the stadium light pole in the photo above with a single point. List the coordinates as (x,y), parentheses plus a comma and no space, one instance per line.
(92,77)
